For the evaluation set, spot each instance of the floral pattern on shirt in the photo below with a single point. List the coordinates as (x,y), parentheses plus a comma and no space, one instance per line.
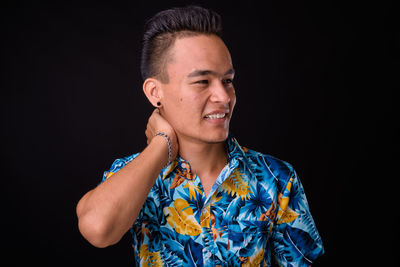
(256,211)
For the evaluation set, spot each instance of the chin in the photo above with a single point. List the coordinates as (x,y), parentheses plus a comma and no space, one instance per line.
(214,138)
(208,136)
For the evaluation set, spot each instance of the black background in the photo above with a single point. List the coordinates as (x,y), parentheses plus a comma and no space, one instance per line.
(314,82)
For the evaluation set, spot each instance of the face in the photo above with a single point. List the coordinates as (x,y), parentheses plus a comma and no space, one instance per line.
(199,99)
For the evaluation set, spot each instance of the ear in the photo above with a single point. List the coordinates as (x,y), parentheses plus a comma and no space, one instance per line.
(152,90)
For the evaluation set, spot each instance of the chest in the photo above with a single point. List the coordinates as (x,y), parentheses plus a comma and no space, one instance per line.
(232,222)
(237,195)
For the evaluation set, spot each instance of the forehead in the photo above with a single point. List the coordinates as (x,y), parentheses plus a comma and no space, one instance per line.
(199,52)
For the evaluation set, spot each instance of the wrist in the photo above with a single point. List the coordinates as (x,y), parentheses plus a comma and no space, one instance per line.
(168,141)
(159,144)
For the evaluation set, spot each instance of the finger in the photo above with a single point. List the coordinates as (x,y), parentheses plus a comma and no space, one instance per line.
(157,112)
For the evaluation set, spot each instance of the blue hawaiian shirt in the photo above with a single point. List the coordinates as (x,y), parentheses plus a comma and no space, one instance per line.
(255,212)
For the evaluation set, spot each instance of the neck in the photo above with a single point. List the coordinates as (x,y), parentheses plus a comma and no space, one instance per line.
(204,158)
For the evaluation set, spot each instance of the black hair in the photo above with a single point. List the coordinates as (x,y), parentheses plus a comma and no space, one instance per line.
(162,30)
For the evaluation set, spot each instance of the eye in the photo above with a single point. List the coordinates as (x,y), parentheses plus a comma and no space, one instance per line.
(227,81)
(202,82)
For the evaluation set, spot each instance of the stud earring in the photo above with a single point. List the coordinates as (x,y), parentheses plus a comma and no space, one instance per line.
(158,103)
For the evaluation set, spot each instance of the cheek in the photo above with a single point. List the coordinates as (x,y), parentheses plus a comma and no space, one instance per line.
(192,103)
(185,108)
(233,99)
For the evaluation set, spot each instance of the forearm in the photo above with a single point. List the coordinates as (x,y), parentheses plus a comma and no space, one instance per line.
(108,211)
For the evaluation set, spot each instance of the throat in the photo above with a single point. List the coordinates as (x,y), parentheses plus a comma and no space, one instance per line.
(208,179)
(207,182)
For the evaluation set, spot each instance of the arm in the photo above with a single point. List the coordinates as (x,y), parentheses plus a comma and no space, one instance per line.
(107,212)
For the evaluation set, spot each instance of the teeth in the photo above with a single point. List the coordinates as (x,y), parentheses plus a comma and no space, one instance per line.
(216,116)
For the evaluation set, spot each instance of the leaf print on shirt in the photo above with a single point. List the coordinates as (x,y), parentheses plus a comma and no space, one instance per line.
(178,180)
(108,175)
(254,260)
(235,185)
(180,177)
(169,169)
(181,218)
(205,218)
(258,203)
(192,188)
(270,213)
(149,258)
(286,214)
(237,225)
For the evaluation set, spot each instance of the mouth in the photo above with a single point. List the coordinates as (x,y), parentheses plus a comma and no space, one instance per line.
(216,116)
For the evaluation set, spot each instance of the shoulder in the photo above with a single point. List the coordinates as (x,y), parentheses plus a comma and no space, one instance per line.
(281,170)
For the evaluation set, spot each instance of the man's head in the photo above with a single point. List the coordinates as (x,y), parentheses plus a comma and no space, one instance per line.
(188,68)
(165,27)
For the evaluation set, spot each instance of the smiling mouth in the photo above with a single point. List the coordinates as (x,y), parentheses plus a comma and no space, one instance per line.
(216,116)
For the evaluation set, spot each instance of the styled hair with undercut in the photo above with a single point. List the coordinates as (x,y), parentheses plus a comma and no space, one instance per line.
(165,27)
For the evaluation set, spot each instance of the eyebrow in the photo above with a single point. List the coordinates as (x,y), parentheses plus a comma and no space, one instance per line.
(196,73)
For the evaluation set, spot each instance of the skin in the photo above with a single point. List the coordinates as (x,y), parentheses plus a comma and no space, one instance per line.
(186,100)
(200,83)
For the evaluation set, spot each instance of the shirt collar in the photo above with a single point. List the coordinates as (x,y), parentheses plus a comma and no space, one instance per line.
(235,153)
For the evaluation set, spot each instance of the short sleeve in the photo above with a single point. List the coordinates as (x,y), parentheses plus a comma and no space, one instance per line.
(295,238)
(150,214)
(117,165)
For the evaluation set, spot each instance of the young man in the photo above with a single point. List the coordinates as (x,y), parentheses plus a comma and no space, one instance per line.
(194,196)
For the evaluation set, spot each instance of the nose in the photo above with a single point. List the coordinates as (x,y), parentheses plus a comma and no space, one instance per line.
(219,94)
